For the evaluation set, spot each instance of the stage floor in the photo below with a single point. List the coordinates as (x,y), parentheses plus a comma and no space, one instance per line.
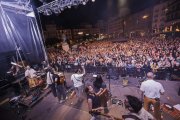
(49,108)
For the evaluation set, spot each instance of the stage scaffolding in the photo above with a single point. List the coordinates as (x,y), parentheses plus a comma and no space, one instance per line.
(20,32)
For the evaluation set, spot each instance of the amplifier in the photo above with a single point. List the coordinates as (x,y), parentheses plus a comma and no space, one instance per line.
(170,113)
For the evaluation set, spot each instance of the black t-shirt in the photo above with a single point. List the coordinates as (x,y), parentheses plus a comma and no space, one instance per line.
(97,86)
(95,101)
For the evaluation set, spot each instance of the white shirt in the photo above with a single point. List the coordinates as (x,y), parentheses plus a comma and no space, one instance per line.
(152,89)
(49,78)
(30,73)
(77,79)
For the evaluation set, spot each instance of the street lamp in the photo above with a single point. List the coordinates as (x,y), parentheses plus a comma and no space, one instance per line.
(145,17)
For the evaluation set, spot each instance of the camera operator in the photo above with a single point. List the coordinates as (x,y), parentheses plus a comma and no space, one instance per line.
(137,112)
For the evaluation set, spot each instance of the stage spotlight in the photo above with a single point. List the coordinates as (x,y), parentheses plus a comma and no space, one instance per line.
(48,12)
(57,11)
(93,0)
(62,8)
(84,3)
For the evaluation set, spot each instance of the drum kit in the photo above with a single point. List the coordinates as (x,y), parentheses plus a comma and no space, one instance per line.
(35,82)
(36,85)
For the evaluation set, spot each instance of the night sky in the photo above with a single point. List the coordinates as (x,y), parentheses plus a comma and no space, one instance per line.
(91,12)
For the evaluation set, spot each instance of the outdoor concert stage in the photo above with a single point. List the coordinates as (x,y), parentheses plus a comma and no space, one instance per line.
(50,109)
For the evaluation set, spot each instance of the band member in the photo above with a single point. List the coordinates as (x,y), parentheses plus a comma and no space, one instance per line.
(60,87)
(11,74)
(137,112)
(94,104)
(50,81)
(31,76)
(30,72)
(77,79)
(151,92)
(101,91)
(14,70)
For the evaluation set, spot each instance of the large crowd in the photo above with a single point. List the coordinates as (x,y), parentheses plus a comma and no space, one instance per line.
(137,56)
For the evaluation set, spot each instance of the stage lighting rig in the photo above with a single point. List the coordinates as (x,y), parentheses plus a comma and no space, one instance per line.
(18,6)
(57,6)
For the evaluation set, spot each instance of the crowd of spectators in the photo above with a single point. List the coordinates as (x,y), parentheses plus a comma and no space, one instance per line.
(135,57)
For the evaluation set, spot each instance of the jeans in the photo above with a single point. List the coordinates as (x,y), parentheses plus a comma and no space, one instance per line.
(79,91)
(53,89)
(60,89)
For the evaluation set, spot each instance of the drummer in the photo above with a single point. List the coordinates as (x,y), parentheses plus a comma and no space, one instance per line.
(31,76)
(30,72)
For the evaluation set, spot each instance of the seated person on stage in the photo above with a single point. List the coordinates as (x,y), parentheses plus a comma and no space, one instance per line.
(93,101)
(30,72)
(30,75)
(137,112)
(101,91)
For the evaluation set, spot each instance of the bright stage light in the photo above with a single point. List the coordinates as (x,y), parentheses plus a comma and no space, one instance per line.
(47,12)
(84,3)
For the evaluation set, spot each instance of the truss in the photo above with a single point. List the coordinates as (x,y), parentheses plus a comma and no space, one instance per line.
(20,6)
(57,6)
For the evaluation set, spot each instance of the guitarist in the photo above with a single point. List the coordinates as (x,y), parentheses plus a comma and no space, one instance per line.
(93,101)
(101,91)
